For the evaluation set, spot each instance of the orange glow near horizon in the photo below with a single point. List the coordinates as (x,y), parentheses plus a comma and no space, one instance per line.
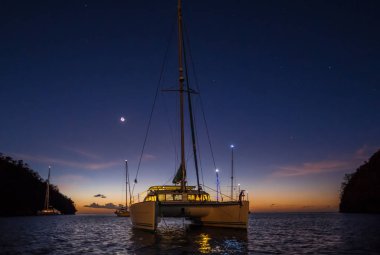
(268,195)
(260,201)
(290,199)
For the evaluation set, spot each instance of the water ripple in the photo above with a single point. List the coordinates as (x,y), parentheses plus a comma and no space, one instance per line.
(293,233)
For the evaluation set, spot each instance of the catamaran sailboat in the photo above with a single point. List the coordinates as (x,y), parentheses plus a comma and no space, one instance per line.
(123,211)
(48,209)
(191,202)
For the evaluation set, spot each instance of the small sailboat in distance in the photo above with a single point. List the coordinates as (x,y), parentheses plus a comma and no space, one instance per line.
(123,211)
(48,209)
(185,201)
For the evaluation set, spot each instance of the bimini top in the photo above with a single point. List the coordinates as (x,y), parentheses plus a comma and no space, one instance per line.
(172,193)
(169,188)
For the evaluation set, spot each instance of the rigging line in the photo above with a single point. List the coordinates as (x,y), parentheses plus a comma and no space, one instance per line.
(171,133)
(200,158)
(170,125)
(154,104)
(199,150)
(175,130)
(192,125)
(170,178)
(220,192)
(200,97)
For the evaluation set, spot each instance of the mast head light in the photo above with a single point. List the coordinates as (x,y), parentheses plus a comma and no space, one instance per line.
(217,170)
(232,146)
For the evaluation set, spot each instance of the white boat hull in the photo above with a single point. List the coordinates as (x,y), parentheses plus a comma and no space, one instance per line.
(123,214)
(145,215)
(49,211)
(227,215)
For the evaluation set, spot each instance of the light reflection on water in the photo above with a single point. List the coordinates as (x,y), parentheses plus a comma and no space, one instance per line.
(204,245)
(318,233)
(176,237)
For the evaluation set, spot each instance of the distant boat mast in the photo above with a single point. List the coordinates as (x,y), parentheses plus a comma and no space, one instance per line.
(232,171)
(47,191)
(126,184)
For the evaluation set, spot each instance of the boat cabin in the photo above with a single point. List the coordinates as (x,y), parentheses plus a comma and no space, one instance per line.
(173,193)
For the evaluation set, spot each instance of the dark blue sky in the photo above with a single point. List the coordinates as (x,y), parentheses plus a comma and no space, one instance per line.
(293,84)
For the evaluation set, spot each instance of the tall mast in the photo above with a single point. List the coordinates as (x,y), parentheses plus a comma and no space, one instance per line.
(47,191)
(181,97)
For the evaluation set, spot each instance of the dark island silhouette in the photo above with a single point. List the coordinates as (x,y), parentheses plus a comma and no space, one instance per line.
(361,190)
(23,190)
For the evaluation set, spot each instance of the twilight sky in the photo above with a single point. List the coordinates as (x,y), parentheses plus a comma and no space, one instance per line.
(294,85)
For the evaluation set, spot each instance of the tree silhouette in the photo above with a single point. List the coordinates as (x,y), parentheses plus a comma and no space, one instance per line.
(23,190)
(360,191)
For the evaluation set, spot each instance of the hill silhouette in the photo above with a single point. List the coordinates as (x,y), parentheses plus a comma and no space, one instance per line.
(361,190)
(23,190)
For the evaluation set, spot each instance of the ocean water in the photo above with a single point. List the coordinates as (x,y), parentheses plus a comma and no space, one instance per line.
(273,233)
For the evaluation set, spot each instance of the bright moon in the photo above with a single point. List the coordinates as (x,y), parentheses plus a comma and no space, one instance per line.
(122,119)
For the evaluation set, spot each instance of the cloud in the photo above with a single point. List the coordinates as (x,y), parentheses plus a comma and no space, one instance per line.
(81,165)
(70,182)
(326,166)
(81,152)
(312,168)
(365,152)
(149,157)
(100,195)
(70,178)
(106,206)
